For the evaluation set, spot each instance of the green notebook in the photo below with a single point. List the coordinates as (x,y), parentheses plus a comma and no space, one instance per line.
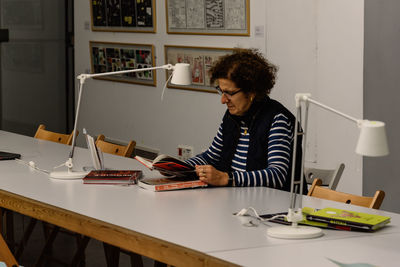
(357,220)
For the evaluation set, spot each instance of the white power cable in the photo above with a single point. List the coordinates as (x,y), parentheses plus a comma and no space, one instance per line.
(245,212)
(165,86)
(32,165)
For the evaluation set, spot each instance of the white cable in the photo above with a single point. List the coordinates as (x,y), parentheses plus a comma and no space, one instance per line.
(32,165)
(165,86)
(244,212)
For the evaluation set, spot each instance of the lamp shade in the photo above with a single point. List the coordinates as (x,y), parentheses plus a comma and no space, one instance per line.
(181,74)
(372,140)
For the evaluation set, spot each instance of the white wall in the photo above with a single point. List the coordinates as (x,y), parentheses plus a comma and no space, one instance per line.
(317,44)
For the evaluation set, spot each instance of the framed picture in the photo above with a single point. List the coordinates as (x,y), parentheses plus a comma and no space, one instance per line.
(200,59)
(123,15)
(209,17)
(106,57)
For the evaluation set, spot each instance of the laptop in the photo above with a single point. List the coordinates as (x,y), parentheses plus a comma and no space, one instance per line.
(9,155)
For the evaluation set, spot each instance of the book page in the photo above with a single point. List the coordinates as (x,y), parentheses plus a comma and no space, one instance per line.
(145,162)
(95,154)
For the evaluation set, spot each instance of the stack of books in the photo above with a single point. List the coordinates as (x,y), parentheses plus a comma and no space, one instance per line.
(331,218)
(119,177)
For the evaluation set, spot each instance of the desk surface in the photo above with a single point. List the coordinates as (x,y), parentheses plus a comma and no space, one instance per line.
(199,220)
(377,250)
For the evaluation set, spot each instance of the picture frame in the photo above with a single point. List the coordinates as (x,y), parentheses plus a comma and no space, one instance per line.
(200,59)
(109,56)
(208,17)
(123,15)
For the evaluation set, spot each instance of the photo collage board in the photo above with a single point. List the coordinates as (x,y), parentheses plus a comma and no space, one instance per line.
(211,17)
(123,15)
(200,59)
(107,57)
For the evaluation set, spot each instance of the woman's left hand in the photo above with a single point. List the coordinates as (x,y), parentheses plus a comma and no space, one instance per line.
(210,175)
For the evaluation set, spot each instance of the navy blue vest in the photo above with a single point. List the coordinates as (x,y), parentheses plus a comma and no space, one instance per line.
(260,117)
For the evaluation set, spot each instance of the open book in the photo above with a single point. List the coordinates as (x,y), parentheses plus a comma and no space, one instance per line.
(169,165)
(180,175)
(95,152)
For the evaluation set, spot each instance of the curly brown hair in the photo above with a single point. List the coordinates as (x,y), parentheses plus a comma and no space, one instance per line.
(248,69)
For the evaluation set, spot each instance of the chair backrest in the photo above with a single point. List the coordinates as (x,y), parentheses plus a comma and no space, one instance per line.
(43,134)
(111,148)
(5,254)
(318,191)
(329,177)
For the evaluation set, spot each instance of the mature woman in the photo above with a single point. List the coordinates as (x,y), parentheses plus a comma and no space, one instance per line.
(253,145)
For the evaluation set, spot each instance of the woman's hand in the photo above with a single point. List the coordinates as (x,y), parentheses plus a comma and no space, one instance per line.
(210,175)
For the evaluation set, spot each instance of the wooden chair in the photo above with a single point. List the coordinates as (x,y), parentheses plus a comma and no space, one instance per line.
(115,149)
(43,134)
(318,191)
(329,177)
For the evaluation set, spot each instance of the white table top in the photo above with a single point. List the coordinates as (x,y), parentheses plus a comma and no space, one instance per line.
(377,250)
(200,219)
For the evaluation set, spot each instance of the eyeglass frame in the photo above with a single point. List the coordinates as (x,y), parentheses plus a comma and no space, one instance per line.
(227,94)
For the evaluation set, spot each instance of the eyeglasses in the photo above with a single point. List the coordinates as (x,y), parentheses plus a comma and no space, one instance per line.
(227,94)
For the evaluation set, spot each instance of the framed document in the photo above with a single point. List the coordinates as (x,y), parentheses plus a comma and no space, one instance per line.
(209,17)
(200,59)
(123,15)
(107,56)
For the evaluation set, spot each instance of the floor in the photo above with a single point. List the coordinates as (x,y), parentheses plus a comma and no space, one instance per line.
(63,248)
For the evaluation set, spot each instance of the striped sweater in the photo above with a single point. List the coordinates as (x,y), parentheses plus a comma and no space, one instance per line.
(280,137)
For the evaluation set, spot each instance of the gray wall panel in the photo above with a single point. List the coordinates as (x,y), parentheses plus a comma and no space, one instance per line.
(382,95)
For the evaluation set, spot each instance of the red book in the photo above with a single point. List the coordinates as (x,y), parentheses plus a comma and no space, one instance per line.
(124,177)
(169,165)
(166,184)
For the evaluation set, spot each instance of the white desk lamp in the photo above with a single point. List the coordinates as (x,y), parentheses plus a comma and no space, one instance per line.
(371,142)
(180,76)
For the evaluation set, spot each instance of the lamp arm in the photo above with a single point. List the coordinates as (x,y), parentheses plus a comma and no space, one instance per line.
(85,76)
(332,110)
(294,159)
(71,153)
(303,133)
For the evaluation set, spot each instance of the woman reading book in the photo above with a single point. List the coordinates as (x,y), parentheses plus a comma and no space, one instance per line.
(253,145)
